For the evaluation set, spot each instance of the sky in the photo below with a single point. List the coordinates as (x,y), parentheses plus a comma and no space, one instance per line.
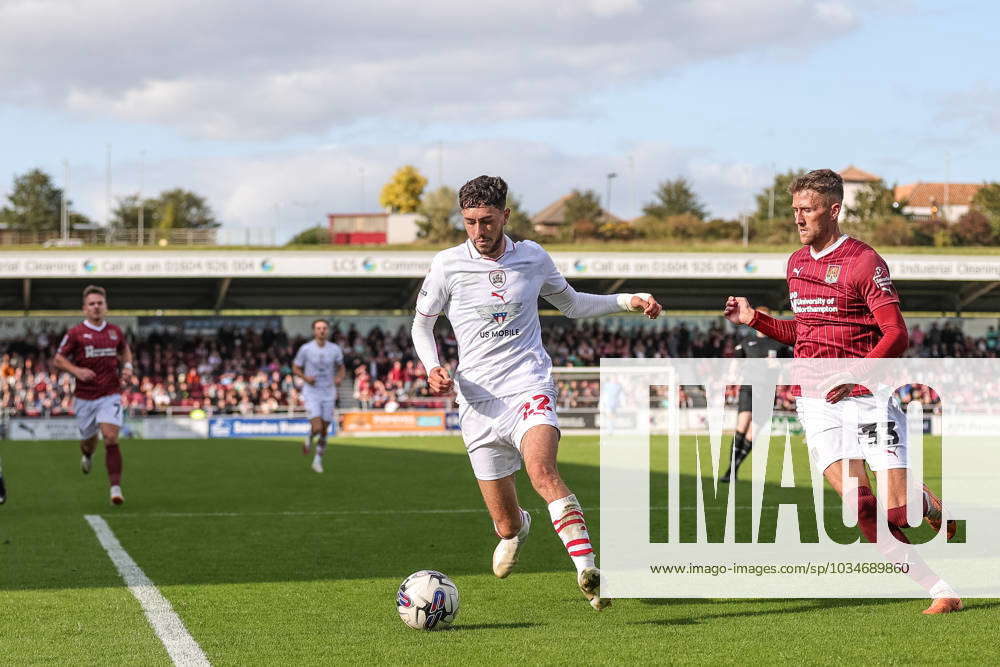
(280,113)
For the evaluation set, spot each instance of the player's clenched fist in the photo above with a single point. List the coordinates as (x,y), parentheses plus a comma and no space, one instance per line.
(649,306)
(439,381)
(738,310)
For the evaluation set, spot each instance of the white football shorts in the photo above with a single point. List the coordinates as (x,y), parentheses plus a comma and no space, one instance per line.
(848,430)
(91,413)
(319,405)
(493,429)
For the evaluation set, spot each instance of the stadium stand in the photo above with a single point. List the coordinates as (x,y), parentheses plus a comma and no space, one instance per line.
(248,370)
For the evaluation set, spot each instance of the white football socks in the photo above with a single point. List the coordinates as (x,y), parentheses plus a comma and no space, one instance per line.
(571,527)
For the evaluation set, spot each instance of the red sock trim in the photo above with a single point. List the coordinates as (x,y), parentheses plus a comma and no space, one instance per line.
(568,514)
(568,523)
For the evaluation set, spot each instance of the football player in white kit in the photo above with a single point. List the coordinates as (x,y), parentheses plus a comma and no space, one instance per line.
(488,287)
(320,364)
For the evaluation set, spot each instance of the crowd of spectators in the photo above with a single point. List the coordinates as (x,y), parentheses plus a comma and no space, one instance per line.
(243,371)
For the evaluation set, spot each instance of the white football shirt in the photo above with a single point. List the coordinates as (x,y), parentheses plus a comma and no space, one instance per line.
(493,308)
(321,363)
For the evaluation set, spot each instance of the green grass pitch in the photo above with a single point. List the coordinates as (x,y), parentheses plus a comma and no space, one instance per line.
(267,562)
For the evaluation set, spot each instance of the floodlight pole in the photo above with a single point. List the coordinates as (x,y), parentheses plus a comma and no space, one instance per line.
(142,208)
(64,208)
(607,200)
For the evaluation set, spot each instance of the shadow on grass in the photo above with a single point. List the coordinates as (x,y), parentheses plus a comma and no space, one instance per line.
(492,626)
(795,608)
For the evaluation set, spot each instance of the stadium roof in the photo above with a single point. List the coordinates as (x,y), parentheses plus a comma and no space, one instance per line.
(276,280)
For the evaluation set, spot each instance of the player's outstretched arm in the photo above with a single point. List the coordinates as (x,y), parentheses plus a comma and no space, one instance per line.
(739,311)
(575,304)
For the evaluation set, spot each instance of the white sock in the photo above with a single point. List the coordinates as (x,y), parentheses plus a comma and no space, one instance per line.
(571,527)
(320,444)
(942,590)
(522,532)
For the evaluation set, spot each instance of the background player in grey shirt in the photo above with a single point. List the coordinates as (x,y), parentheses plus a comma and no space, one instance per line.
(320,364)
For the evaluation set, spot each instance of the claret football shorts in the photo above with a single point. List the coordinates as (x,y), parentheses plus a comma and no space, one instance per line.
(493,429)
(848,430)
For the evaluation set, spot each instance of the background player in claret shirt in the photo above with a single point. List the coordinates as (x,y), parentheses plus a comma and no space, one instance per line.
(90,351)
(489,288)
(754,346)
(320,364)
(846,307)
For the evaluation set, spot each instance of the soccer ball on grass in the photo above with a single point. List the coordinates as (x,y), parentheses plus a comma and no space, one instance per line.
(427,600)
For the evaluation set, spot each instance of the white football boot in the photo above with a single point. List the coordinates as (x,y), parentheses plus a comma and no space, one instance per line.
(85,464)
(505,555)
(589,580)
(116,495)
(317,464)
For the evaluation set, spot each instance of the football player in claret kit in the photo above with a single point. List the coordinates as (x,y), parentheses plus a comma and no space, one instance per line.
(320,364)
(845,306)
(90,352)
(488,287)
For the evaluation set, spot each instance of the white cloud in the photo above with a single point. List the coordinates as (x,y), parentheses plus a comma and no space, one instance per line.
(237,70)
(295,191)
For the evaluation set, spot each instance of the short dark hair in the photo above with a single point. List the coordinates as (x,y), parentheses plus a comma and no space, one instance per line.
(94,289)
(826,182)
(315,322)
(483,191)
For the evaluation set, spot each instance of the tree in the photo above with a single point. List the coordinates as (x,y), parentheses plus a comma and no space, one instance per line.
(403,191)
(782,198)
(318,235)
(973,228)
(891,230)
(682,227)
(583,214)
(931,232)
(439,216)
(35,205)
(126,213)
(874,200)
(675,198)
(181,209)
(518,224)
(987,201)
(173,209)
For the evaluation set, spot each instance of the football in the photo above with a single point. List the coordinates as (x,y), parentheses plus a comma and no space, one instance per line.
(427,600)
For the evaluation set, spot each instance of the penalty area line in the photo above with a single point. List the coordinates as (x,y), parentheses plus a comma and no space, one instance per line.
(181,646)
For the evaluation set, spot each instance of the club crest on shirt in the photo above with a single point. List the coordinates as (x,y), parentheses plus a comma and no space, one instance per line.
(113,335)
(832,273)
(498,278)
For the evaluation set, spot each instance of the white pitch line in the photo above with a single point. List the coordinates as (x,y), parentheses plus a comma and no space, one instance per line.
(481,510)
(180,645)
